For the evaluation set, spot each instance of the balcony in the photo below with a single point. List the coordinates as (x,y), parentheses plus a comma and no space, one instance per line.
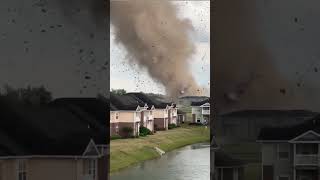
(206,112)
(307,159)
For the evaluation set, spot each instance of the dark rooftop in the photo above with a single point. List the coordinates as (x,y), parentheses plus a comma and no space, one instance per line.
(288,133)
(199,103)
(125,102)
(44,130)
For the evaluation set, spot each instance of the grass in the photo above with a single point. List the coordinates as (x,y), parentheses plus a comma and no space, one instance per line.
(126,152)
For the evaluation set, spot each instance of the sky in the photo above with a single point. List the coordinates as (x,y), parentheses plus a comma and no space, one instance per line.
(129,76)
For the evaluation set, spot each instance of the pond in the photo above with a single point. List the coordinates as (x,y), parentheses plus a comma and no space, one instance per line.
(188,163)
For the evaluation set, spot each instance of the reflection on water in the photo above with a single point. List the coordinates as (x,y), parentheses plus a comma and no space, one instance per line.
(189,163)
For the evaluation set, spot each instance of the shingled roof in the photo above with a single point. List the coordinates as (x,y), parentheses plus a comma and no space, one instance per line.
(94,107)
(150,101)
(44,130)
(199,103)
(288,133)
(125,102)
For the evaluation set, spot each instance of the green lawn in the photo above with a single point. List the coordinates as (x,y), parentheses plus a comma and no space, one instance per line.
(126,152)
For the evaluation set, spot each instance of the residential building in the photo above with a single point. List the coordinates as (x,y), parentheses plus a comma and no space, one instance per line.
(201,111)
(187,100)
(173,114)
(244,125)
(223,167)
(50,142)
(127,112)
(160,111)
(181,116)
(291,152)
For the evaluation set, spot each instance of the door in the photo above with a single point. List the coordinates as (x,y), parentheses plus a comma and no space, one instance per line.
(268,172)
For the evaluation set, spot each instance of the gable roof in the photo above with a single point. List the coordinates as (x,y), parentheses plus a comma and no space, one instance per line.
(288,133)
(199,103)
(44,130)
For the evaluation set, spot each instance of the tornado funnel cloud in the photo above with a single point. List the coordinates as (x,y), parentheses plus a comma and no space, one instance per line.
(158,40)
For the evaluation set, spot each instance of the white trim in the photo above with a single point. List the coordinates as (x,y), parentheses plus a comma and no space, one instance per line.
(91,144)
(205,105)
(303,134)
(271,141)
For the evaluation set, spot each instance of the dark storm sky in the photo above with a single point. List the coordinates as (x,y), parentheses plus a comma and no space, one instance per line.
(53,43)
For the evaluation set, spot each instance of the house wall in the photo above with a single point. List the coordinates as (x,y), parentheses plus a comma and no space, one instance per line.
(113,116)
(270,157)
(50,169)
(126,116)
(160,113)
(114,129)
(161,123)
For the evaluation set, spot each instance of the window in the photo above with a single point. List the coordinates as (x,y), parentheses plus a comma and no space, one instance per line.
(22,169)
(90,170)
(283,151)
(286,177)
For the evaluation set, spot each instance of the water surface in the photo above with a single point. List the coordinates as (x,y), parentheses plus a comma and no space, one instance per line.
(188,163)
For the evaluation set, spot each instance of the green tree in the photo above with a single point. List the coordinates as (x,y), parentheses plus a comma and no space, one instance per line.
(118,91)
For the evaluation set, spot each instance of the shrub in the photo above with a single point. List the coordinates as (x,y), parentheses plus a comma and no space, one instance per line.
(128,131)
(143,131)
(171,126)
(115,137)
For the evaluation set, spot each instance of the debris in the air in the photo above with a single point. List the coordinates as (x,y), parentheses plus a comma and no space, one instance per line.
(283,91)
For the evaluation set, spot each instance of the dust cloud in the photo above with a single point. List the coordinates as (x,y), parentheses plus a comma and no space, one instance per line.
(156,39)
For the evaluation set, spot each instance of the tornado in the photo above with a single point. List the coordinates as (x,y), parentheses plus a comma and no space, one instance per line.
(158,40)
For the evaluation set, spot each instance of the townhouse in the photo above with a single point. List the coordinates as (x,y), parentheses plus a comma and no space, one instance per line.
(201,111)
(50,142)
(162,112)
(128,111)
(291,152)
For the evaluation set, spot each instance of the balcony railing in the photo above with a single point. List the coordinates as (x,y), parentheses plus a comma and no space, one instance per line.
(307,159)
(205,111)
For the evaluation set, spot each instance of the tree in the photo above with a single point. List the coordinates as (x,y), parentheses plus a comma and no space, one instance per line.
(30,95)
(118,91)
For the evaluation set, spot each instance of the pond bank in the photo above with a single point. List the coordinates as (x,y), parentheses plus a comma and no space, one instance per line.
(126,152)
